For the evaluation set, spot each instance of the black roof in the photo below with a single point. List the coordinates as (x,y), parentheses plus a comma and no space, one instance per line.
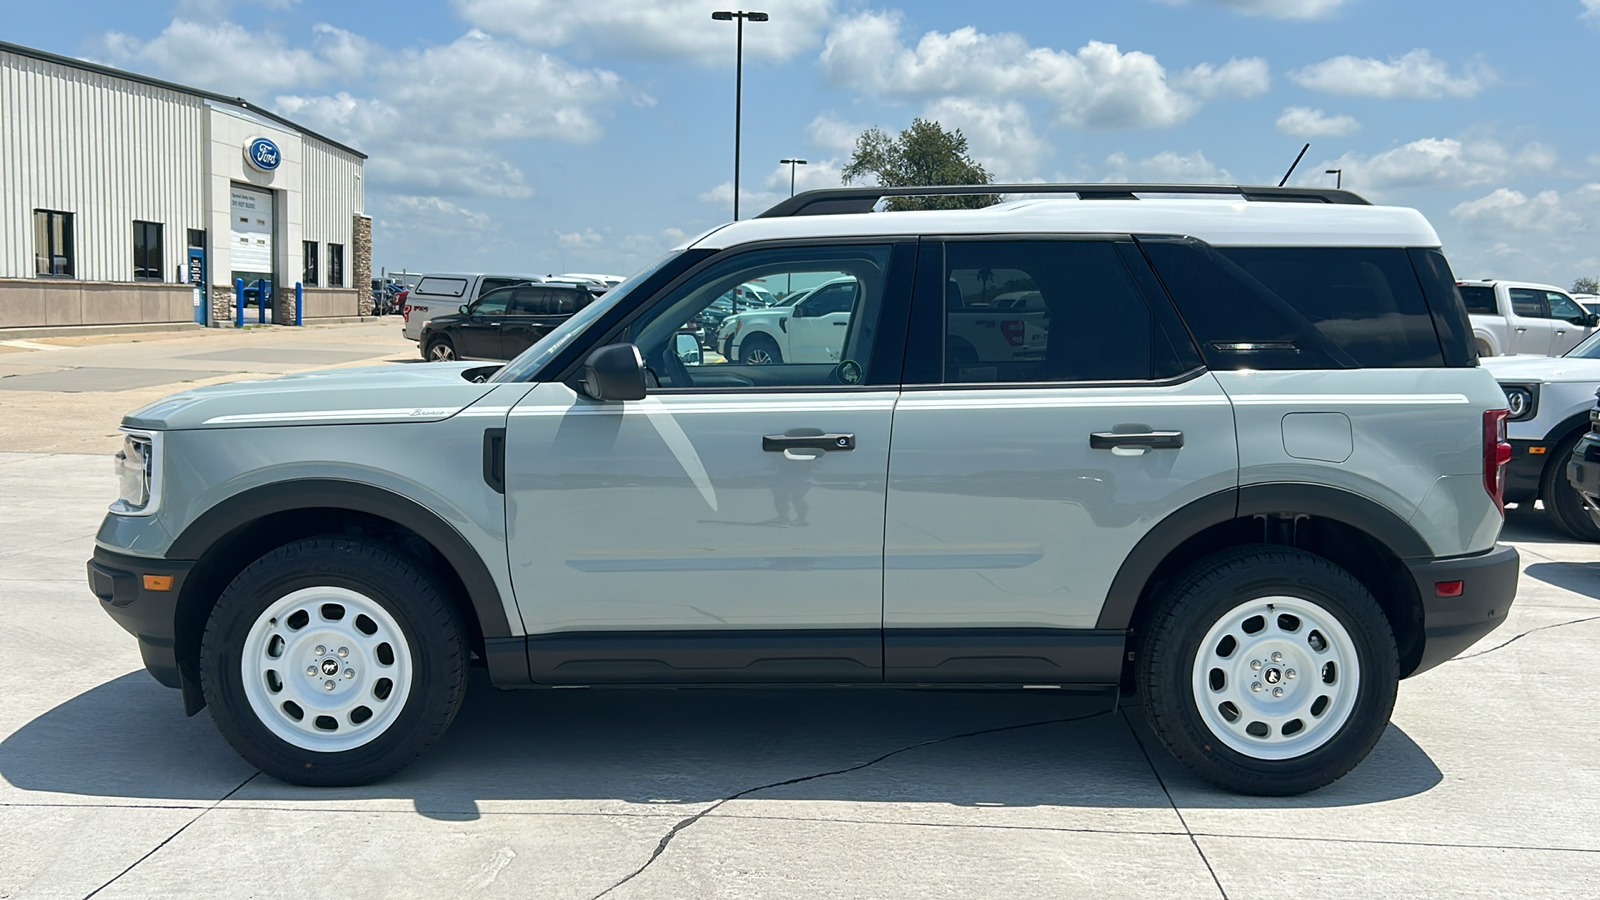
(171,86)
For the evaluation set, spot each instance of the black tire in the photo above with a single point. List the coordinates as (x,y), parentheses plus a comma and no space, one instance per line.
(759,342)
(1561,501)
(404,590)
(1202,596)
(440,350)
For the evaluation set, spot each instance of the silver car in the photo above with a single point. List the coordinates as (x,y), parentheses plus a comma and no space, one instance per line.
(1248,468)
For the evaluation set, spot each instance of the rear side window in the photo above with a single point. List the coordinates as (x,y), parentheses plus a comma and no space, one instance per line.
(1299,307)
(1478,299)
(538,301)
(1527,302)
(446,287)
(496,282)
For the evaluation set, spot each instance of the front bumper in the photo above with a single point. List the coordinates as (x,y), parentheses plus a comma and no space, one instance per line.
(1583,471)
(149,615)
(1526,468)
(1452,624)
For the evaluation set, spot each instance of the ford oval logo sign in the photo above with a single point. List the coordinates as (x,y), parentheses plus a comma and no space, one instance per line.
(263,154)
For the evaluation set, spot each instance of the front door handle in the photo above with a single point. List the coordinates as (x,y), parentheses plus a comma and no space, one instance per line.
(777,443)
(1152,440)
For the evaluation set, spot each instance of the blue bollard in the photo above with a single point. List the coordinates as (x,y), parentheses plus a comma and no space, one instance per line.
(298,297)
(238,303)
(262,287)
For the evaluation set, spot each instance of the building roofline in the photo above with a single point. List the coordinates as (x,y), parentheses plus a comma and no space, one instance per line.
(240,102)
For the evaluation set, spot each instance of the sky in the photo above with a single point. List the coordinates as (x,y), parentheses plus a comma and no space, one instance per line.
(592,135)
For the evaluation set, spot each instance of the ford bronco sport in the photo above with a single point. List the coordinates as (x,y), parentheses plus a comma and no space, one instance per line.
(1253,472)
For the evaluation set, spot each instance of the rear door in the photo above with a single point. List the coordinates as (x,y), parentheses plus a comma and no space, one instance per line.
(1532,331)
(1018,486)
(535,311)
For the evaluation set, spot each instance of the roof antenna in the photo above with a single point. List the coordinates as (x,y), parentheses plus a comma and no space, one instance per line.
(1296,163)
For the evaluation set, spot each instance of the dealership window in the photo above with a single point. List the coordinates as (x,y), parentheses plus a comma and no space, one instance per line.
(309,249)
(147,251)
(335,265)
(52,243)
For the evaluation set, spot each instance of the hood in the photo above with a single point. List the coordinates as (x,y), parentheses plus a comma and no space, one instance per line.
(1542,368)
(415,392)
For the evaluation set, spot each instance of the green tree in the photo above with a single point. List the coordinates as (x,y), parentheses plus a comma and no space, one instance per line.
(924,154)
(1586,286)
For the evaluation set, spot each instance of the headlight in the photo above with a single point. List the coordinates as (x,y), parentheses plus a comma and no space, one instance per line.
(1521,400)
(730,327)
(138,474)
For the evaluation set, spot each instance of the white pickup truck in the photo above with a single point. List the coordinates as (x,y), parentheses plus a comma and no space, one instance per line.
(1517,318)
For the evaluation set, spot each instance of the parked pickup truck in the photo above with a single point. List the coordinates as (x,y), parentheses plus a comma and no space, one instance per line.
(1512,317)
(445,294)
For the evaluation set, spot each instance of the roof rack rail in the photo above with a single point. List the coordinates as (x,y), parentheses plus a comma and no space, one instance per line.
(840,201)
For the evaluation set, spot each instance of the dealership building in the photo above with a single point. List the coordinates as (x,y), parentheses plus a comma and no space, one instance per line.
(129,201)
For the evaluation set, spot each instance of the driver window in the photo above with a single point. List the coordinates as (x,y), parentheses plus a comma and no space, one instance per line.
(1562,306)
(816,330)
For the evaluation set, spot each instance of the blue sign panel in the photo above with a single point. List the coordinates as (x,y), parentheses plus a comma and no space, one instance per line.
(263,154)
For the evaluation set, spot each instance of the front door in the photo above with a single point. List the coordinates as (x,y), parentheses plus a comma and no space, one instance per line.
(728,527)
(479,329)
(817,327)
(1020,482)
(1567,322)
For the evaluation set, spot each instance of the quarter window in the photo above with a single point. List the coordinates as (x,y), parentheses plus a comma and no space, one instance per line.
(335,265)
(147,251)
(52,243)
(696,338)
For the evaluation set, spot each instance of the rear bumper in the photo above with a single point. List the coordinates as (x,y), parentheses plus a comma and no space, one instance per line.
(1452,624)
(151,616)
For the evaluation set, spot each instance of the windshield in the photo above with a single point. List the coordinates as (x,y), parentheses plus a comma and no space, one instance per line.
(1589,349)
(534,358)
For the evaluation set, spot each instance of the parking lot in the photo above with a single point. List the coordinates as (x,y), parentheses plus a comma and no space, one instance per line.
(1487,783)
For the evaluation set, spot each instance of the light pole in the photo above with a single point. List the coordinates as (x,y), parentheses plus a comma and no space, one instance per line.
(791,163)
(1338,177)
(738,88)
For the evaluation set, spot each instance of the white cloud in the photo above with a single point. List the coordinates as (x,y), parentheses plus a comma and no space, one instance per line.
(578,240)
(1591,11)
(1504,209)
(1236,78)
(1302,121)
(999,136)
(1277,9)
(1560,230)
(680,29)
(208,56)
(1440,162)
(830,132)
(1417,74)
(816,173)
(1098,86)
(438,209)
(1166,167)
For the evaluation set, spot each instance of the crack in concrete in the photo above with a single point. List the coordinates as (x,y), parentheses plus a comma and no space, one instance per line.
(1193,841)
(173,835)
(666,840)
(1521,635)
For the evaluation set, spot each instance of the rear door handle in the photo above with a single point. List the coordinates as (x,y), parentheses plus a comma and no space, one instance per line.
(1153,440)
(777,443)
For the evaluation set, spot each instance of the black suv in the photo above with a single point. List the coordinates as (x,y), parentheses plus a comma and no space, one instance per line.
(503,323)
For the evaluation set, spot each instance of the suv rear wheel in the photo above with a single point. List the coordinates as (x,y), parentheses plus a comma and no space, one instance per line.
(1268,670)
(333,661)
(1561,501)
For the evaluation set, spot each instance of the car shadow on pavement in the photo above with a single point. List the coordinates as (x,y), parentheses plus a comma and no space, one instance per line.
(128,739)
(1579,578)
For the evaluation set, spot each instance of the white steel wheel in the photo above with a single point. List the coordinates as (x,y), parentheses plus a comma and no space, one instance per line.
(326,669)
(1276,677)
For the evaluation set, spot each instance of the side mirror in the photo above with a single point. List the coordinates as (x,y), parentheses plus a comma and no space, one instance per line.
(462,309)
(614,372)
(687,348)
(1591,320)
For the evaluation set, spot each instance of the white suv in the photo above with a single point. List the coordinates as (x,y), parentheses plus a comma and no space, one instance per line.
(1238,457)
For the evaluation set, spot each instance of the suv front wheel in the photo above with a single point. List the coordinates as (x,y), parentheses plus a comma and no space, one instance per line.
(1268,670)
(333,661)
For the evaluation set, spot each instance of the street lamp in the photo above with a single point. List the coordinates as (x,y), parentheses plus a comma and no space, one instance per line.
(1338,180)
(791,163)
(738,88)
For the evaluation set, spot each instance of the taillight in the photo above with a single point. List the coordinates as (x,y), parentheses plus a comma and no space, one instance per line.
(406,312)
(1013,331)
(1496,455)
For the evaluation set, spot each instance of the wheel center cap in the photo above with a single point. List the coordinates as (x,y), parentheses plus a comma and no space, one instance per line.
(1272,675)
(330,666)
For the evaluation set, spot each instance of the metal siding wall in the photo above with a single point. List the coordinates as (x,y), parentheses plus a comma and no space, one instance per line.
(107,150)
(330,193)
